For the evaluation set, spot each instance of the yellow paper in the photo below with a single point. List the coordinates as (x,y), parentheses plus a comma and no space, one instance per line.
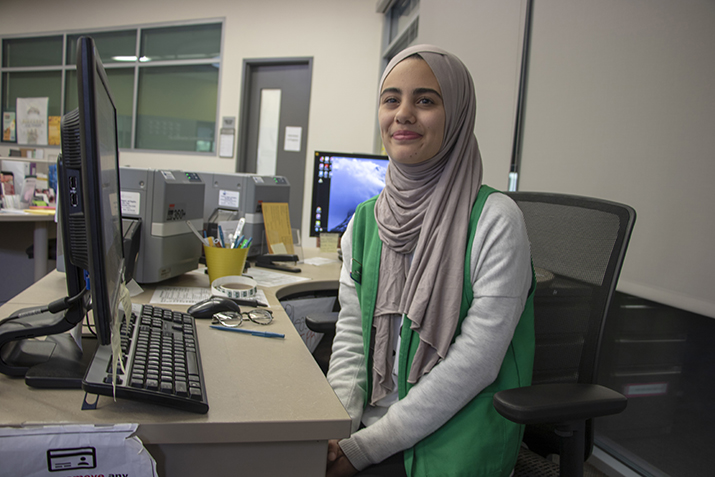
(329,242)
(53,130)
(41,211)
(276,218)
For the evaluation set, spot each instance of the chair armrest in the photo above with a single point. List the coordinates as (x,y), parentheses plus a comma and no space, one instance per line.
(557,403)
(322,322)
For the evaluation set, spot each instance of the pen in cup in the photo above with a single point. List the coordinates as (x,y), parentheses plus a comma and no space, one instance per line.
(220,236)
(237,241)
(237,233)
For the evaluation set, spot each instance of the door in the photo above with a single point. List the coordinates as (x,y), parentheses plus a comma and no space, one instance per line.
(274,123)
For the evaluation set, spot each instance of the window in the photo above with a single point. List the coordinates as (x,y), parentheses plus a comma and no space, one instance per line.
(401,29)
(164,80)
(402,19)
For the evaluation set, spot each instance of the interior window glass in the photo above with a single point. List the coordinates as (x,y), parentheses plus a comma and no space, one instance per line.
(167,76)
(36,84)
(189,42)
(401,15)
(113,46)
(38,51)
(176,109)
(121,82)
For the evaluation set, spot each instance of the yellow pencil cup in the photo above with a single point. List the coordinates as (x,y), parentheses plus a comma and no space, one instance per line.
(224,262)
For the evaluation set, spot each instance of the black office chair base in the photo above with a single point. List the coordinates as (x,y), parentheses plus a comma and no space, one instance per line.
(531,464)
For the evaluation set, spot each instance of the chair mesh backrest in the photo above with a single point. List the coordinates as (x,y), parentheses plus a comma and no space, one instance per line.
(570,241)
(577,247)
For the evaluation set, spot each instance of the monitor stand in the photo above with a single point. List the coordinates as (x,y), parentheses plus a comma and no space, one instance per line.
(54,362)
(65,368)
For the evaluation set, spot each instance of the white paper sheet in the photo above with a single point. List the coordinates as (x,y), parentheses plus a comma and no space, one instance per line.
(292,138)
(76,449)
(190,295)
(179,295)
(266,278)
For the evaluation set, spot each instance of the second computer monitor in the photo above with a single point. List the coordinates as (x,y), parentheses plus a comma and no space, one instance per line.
(340,182)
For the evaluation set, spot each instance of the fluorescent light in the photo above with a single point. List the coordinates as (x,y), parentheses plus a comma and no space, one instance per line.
(130,58)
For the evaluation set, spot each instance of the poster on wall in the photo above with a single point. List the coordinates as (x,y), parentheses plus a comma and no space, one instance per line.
(8,126)
(32,121)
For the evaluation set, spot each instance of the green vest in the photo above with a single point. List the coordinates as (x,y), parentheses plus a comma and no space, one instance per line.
(477,441)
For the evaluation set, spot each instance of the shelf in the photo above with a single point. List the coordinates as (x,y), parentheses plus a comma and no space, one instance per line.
(51,160)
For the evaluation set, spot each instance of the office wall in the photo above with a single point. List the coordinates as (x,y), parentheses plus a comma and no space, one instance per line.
(621,105)
(487,36)
(342,36)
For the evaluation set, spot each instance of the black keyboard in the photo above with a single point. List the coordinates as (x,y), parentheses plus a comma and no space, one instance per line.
(161,357)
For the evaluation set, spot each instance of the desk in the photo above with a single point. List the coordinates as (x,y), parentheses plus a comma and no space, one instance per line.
(271,409)
(40,239)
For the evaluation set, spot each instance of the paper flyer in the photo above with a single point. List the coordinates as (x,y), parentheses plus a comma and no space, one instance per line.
(31,125)
(8,126)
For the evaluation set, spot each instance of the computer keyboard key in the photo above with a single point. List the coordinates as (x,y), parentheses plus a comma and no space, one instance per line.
(191,363)
(108,379)
(181,388)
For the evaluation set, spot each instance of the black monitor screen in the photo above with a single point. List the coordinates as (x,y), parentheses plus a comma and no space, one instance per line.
(99,188)
(109,192)
(340,182)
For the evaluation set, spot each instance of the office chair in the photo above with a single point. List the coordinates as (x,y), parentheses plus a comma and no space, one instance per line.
(577,245)
(323,323)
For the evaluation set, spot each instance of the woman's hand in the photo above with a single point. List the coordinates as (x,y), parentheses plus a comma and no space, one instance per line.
(338,463)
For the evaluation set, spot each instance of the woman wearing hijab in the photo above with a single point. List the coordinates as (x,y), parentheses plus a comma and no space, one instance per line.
(435,291)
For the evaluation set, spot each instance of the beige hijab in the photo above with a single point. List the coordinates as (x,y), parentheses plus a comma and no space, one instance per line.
(424,210)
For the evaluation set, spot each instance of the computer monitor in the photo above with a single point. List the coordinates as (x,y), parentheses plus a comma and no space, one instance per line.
(90,222)
(73,233)
(56,361)
(340,182)
(92,182)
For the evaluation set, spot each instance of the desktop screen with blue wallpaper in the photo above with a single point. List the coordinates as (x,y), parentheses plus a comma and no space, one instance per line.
(340,182)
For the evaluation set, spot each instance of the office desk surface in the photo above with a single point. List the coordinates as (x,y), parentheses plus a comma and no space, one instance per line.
(260,390)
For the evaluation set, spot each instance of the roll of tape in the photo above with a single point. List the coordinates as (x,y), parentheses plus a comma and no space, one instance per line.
(235,287)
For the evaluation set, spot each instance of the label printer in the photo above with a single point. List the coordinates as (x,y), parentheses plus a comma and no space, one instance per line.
(164,200)
(232,196)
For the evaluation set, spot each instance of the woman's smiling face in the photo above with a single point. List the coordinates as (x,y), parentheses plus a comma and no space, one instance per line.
(411,112)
